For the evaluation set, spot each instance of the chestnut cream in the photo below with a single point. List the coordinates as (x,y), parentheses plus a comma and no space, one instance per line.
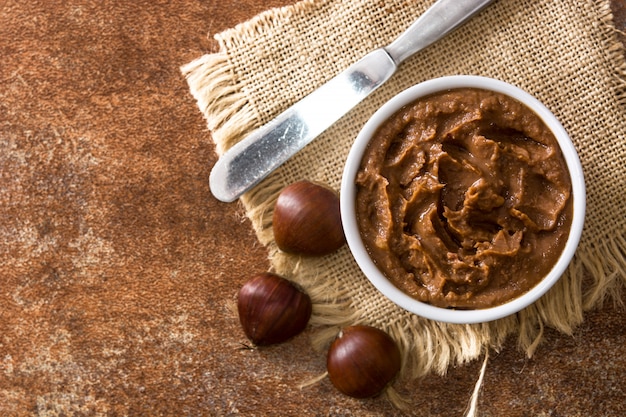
(463,199)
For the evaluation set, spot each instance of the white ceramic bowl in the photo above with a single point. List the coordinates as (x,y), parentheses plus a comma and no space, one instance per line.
(348,193)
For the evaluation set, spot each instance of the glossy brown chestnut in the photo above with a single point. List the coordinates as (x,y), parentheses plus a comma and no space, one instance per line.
(307,220)
(362,360)
(272,309)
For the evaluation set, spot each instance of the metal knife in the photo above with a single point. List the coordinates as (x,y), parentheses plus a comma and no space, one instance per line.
(248,162)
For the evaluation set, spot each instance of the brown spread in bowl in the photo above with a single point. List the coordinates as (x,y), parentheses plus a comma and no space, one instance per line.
(463,199)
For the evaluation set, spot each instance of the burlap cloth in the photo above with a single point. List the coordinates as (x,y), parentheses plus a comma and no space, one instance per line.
(564,52)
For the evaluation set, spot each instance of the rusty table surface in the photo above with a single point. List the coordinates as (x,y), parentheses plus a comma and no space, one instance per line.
(118,269)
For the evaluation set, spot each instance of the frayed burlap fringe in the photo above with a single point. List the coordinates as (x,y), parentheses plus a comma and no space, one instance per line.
(472,407)
(615,49)
(229,115)
(596,275)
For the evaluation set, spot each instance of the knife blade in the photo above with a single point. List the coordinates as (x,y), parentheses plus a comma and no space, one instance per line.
(248,162)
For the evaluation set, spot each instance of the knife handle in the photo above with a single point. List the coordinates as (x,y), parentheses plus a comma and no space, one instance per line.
(440,19)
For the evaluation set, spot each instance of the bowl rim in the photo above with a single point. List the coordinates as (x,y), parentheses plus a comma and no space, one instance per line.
(347,201)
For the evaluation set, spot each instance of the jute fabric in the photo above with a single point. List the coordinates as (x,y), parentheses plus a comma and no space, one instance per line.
(565,53)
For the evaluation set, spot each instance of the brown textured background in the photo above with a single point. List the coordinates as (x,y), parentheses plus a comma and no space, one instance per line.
(118,268)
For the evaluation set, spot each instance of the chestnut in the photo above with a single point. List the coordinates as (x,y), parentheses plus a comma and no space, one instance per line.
(272,309)
(362,361)
(307,220)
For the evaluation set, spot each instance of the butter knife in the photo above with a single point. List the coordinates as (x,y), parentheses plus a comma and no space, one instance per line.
(248,162)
